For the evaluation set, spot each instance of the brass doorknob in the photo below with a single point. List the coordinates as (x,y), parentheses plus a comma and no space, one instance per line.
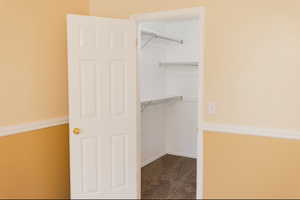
(76,131)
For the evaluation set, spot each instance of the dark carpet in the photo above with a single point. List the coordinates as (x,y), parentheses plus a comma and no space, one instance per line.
(170,177)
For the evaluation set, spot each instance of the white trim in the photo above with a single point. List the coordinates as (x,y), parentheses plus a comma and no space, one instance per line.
(101,195)
(150,160)
(183,154)
(179,14)
(159,155)
(12,130)
(201,108)
(254,131)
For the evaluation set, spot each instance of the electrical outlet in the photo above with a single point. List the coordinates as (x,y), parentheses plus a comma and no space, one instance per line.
(212,108)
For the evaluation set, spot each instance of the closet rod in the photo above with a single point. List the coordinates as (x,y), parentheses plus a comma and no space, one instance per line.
(155,35)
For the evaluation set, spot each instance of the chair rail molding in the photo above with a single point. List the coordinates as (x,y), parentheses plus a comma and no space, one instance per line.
(254,131)
(26,127)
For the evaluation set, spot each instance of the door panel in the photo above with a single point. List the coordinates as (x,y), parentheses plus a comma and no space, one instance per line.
(118,88)
(103,105)
(119,161)
(89,164)
(88,89)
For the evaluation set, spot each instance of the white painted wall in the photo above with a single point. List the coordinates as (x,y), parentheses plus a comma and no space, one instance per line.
(170,127)
(153,133)
(152,85)
(152,77)
(187,30)
(181,117)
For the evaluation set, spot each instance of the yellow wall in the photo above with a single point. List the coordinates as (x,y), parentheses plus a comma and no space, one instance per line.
(252,56)
(251,72)
(239,166)
(253,62)
(33,85)
(35,164)
(33,62)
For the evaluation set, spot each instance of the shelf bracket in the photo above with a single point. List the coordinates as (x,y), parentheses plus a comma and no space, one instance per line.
(148,41)
(155,35)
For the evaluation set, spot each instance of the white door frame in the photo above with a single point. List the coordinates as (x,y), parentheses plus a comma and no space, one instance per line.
(188,13)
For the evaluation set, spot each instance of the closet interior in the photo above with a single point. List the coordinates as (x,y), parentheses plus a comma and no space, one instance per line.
(169,80)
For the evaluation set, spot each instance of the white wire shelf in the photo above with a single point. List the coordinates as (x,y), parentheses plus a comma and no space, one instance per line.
(179,64)
(145,103)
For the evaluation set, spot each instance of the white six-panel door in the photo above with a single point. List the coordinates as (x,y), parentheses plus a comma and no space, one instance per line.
(103,107)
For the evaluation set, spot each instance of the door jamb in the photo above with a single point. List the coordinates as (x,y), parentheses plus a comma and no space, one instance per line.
(187,13)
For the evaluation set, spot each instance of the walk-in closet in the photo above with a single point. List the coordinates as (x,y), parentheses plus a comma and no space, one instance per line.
(169,81)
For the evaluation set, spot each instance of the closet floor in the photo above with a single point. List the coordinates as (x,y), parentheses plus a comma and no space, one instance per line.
(170,177)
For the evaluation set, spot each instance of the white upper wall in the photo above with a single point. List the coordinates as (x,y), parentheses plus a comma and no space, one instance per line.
(152,77)
(188,31)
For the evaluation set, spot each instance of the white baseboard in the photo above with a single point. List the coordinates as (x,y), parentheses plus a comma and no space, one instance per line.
(183,154)
(245,130)
(11,130)
(102,195)
(150,160)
